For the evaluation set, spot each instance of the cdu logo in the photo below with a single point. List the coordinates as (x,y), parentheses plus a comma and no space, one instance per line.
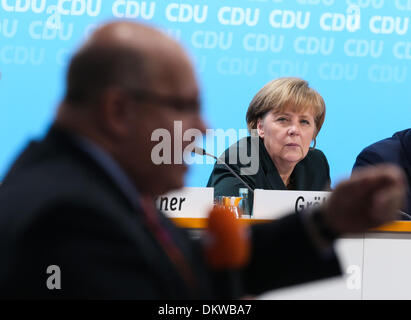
(236,16)
(133,9)
(289,19)
(54,280)
(176,12)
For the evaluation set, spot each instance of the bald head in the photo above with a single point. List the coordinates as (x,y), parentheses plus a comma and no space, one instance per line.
(122,54)
(133,35)
(127,81)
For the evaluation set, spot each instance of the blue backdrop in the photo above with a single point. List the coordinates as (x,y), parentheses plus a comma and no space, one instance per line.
(356,53)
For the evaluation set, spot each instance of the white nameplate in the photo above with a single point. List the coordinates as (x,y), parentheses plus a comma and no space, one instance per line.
(273,204)
(187,202)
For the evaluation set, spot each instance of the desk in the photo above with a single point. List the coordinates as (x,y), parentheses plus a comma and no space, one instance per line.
(201,223)
(376,265)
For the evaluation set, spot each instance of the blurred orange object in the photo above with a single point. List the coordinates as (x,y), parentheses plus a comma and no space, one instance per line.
(227,242)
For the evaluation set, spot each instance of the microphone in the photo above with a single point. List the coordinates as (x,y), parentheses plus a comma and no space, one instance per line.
(202,152)
(404,216)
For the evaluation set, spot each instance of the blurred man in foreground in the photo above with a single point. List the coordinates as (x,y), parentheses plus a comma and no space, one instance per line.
(81,200)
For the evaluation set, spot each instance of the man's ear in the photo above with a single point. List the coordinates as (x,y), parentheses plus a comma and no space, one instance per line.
(115,112)
(260,128)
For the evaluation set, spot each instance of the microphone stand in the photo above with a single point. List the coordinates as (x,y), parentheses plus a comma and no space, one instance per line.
(202,152)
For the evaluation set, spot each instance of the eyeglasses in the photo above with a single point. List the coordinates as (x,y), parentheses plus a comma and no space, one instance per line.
(173,102)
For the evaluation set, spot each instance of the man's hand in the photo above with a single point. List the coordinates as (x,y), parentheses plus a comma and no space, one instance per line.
(373,196)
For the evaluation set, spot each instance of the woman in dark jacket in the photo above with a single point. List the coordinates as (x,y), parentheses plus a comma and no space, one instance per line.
(283,118)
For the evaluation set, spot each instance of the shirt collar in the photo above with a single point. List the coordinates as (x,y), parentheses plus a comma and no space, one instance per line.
(110,166)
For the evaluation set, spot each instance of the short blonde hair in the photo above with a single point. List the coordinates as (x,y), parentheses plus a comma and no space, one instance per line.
(280,94)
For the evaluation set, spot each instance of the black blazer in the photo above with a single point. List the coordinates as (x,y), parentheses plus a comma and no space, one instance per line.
(312,173)
(59,207)
(395,150)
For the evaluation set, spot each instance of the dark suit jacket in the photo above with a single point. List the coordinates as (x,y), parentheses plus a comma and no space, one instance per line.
(312,173)
(396,150)
(59,207)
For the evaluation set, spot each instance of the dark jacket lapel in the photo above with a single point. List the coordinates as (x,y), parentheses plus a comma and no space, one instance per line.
(270,171)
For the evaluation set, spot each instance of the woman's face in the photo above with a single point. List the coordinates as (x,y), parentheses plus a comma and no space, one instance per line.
(287,136)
